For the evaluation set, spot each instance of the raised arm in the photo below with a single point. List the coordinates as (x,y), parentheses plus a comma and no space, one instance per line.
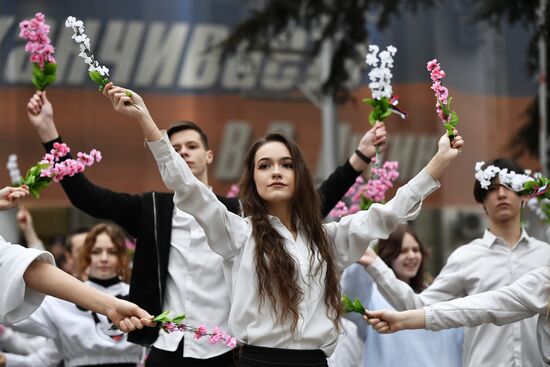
(339,182)
(94,200)
(353,233)
(226,232)
(26,225)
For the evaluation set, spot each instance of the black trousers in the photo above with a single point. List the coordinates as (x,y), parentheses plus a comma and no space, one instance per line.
(252,356)
(162,358)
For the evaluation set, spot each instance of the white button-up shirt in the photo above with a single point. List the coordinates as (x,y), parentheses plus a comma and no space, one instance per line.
(231,236)
(482,265)
(17,301)
(195,286)
(526,297)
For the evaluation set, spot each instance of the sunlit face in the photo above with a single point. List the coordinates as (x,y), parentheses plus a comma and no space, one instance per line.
(189,145)
(274,174)
(408,262)
(502,204)
(104,258)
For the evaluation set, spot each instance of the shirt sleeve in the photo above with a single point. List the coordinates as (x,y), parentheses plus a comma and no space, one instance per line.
(17,301)
(46,356)
(40,322)
(19,343)
(449,284)
(333,189)
(526,297)
(353,233)
(226,232)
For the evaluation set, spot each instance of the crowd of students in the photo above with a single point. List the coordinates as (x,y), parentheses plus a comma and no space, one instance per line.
(266,268)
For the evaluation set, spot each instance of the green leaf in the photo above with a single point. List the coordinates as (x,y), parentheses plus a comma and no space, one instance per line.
(385,114)
(96,77)
(365,203)
(178,319)
(370,101)
(30,180)
(354,306)
(454,119)
(36,83)
(358,306)
(162,317)
(34,193)
(42,184)
(50,68)
(36,71)
(372,118)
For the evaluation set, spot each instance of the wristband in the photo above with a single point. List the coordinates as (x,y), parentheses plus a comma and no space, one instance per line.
(363,157)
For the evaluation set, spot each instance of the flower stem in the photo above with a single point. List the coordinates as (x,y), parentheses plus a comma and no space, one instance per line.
(378,162)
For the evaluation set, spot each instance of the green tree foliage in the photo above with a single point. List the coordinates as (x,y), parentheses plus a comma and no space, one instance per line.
(342,21)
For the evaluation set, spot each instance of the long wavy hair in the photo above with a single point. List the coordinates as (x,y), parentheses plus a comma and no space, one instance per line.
(277,271)
(389,249)
(119,240)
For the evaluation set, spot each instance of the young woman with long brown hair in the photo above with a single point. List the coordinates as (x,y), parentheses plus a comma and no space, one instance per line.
(281,263)
(405,255)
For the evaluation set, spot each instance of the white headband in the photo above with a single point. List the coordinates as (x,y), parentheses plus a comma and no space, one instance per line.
(510,179)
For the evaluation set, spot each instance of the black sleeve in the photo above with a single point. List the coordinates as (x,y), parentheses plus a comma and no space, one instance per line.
(232,204)
(333,189)
(123,209)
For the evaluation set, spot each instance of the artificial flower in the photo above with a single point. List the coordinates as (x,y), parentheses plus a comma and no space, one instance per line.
(35,31)
(50,168)
(443,101)
(233,191)
(382,101)
(352,306)
(170,325)
(13,169)
(362,195)
(98,73)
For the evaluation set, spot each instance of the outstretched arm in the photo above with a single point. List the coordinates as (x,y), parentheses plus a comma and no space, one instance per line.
(48,279)
(389,321)
(524,298)
(449,284)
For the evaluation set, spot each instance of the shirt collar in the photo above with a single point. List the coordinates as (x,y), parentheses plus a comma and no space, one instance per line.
(489,238)
(276,222)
